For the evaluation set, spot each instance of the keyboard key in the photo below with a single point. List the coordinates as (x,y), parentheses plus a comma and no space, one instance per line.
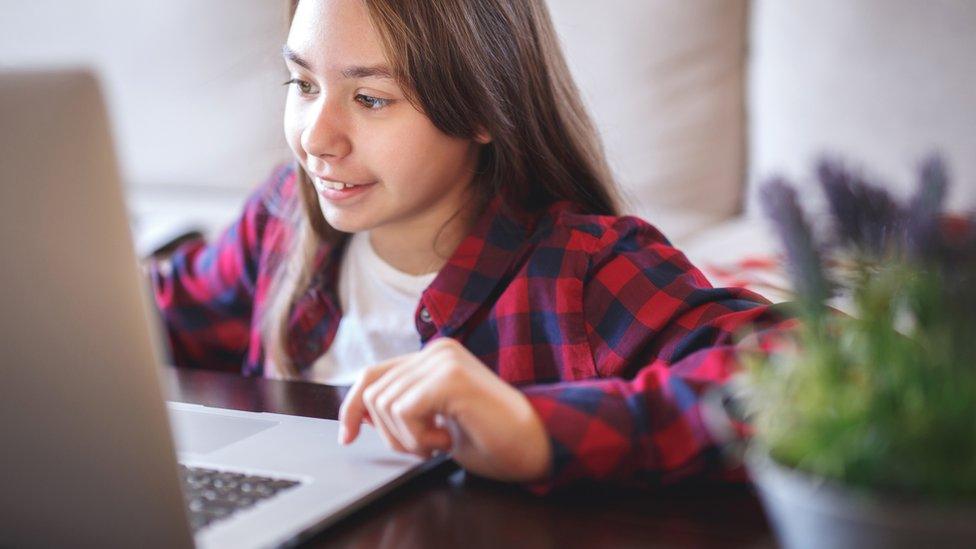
(211,495)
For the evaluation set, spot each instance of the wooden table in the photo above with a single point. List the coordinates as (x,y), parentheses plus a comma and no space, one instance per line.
(448,508)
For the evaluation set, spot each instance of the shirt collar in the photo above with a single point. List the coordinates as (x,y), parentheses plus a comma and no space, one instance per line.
(484,260)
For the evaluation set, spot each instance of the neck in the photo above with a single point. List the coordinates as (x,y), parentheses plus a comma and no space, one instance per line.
(422,249)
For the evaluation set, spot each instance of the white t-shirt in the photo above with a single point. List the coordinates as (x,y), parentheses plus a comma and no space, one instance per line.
(378,306)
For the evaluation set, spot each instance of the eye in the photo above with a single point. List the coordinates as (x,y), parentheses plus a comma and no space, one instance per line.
(303,86)
(372,103)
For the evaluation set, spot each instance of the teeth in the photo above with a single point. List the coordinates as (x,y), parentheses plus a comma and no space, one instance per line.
(323,184)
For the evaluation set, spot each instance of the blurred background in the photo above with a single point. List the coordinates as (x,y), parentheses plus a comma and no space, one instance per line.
(698,101)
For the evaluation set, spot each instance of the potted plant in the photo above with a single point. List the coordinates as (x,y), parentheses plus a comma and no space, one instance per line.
(865,423)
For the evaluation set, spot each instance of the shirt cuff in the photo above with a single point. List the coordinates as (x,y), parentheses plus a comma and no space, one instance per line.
(589,428)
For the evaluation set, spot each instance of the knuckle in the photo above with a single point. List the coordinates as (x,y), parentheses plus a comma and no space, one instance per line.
(369,394)
(399,408)
(451,367)
(383,403)
(440,344)
(371,410)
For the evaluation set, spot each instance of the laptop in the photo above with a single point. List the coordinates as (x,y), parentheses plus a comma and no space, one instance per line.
(92,455)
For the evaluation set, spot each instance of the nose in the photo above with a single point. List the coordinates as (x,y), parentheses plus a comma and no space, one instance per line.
(325,135)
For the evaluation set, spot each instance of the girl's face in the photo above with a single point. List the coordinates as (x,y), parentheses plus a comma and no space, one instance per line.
(349,123)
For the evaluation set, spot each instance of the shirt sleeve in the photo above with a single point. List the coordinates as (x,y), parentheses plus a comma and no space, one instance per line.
(661,338)
(205,291)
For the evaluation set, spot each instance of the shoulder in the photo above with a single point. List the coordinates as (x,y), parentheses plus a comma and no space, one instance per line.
(277,194)
(271,204)
(614,242)
(264,223)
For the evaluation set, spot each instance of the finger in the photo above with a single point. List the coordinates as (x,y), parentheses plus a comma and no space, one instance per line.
(378,400)
(352,409)
(419,410)
(390,405)
(381,424)
(436,440)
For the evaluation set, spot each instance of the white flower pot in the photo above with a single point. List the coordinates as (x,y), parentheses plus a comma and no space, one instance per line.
(806,511)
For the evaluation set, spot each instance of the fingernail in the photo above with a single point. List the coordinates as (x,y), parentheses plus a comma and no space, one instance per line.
(342,435)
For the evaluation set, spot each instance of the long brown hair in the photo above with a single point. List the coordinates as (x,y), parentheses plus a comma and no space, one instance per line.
(470,66)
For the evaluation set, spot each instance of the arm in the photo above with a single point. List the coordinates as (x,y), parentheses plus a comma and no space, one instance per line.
(661,338)
(205,292)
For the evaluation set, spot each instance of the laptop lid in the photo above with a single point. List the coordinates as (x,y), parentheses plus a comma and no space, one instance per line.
(75,322)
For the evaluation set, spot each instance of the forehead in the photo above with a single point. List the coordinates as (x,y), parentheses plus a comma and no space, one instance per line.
(332,34)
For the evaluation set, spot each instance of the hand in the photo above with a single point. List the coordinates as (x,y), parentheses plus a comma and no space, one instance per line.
(443,398)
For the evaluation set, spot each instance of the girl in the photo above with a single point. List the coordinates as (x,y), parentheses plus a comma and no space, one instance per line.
(449,194)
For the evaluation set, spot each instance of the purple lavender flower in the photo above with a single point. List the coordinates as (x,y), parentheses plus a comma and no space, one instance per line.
(880,230)
(803,257)
(865,215)
(923,232)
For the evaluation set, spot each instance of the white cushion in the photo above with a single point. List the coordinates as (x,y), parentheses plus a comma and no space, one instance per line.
(664,82)
(193,87)
(726,254)
(881,82)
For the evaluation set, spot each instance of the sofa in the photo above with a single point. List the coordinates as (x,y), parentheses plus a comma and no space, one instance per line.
(702,102)
(698,102)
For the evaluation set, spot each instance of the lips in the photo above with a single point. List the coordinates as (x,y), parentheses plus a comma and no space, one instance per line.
(338,192)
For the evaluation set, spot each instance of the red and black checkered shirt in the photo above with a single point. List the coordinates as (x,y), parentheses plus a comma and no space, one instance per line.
(609,331)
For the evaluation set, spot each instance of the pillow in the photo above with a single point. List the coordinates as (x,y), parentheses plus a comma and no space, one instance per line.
(193,87)
(664,83)
(879,82)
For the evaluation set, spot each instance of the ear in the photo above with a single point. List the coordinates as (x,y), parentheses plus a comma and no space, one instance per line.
(481,136)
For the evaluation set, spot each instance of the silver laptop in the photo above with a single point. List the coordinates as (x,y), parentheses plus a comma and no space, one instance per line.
(87,457)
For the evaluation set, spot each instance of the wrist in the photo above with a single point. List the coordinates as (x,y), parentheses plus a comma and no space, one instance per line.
(535,457)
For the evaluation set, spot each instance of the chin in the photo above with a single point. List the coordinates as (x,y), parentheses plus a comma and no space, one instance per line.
(342,225)
(346,223)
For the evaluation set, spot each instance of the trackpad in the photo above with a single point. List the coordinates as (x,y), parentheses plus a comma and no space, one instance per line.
(202,433)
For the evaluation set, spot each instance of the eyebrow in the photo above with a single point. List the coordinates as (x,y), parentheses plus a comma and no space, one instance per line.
(355,71)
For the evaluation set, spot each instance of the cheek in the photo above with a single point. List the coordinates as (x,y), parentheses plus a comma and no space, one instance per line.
(421,157)
(443,163)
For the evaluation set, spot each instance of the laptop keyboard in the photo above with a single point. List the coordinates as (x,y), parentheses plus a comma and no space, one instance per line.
(213,495)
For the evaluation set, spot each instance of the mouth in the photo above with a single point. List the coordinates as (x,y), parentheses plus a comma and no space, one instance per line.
(336,190)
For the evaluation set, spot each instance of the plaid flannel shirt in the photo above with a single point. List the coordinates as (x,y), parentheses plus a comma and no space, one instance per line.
(613,336)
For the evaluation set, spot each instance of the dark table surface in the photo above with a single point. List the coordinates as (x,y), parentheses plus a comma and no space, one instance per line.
(448,508)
